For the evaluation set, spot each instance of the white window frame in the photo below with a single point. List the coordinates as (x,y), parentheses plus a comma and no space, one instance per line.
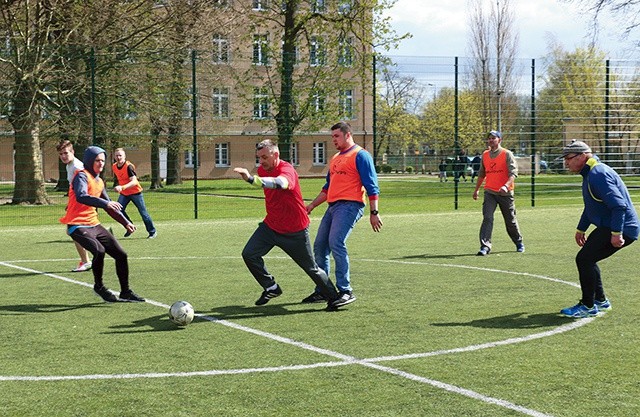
(220,46)
(319,153)
(317,53)
(261,104)
(260,49)
(220,102)
(293,154)
(346,104)
(222,155)
(260,5)
(345,52)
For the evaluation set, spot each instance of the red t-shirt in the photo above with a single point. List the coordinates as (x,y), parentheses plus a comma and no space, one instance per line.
(286,212)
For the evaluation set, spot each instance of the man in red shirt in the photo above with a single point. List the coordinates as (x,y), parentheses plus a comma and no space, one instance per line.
(285,226)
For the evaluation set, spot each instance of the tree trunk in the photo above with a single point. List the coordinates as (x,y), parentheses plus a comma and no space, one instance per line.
(29,186)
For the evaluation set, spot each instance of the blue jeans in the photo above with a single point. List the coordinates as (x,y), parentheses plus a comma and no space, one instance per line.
(138,201)
(336,226)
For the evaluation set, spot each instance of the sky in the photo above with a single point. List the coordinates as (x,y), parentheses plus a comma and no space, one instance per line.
(440,28)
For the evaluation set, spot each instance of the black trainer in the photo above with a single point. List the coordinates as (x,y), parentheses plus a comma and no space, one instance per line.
(268,295)
(131,296)
(106,294)
(345,297)
(315,297)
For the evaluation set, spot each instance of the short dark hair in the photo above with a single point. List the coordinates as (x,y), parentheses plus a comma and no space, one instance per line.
(65,143)
(343,126)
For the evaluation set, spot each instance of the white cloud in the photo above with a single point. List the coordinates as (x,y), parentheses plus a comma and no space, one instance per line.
(440,28)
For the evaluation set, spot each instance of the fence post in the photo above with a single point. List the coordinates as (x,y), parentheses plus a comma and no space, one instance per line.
(194,118)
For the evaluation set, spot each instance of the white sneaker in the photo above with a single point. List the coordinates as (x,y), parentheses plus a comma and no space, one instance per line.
(82,266)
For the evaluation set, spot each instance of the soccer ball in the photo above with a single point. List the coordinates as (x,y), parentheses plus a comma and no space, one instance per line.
(181,313)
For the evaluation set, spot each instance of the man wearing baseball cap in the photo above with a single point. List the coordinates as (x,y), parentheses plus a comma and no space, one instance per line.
(498,171)
(608,206)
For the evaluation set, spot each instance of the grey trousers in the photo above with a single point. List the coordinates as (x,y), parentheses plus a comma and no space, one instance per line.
(508,209)
(297,246)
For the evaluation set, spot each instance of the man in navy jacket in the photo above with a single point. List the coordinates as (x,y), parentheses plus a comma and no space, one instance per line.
(608,206)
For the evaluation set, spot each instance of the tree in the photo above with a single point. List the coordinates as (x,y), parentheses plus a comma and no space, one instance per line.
(338,38)
(399,101)
(493,45)
(573,94)
(626,10)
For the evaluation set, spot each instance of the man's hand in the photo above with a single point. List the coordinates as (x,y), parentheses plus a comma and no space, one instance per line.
(580,239)
(130,227)
(617,241)
(244,173)
(114,206)
(118,188)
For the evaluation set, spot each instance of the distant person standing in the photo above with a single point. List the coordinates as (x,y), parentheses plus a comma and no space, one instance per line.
(607,206)
(499,169)
(443,170)
(130,189)
(285,226)
(460,166)
(476,162)
(87,192)
(72,164)
(351,174)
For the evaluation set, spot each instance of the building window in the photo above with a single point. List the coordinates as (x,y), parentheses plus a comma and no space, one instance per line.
(220,53)
(293,154)
(260,103)
(319,102)
(130,112)
(189,159)
(220,97)
(319,155)
(260,49)
(222,155)
(344,6)
(317,54)
(345,52)
(345,104)
(187,108)
(319,6)
(260,5)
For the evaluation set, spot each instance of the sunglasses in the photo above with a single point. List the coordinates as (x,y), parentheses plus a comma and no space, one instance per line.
(571,157)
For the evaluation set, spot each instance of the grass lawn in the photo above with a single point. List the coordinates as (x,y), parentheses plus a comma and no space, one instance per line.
(435,331)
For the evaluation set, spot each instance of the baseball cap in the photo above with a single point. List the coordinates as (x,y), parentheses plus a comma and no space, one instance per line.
(495,133)
(576,146)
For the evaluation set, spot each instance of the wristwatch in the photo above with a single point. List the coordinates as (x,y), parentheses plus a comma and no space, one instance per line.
(374,212)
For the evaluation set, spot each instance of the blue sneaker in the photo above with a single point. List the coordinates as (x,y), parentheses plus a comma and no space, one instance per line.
(603,305)
(580,311)
(520,247)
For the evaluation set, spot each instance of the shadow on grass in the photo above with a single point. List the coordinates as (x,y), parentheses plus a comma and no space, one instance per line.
(45,308)
(157,323)
(237,312)
(512,321)
(20,274)
(449,256)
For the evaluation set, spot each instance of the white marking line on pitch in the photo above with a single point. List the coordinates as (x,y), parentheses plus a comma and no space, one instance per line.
(345,359)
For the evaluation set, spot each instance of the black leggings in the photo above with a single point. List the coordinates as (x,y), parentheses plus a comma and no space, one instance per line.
(596,248)
(99,241)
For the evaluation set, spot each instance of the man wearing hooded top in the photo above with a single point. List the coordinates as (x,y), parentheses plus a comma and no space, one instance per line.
(87,192)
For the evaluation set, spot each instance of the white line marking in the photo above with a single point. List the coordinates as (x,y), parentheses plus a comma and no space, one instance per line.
(344,359)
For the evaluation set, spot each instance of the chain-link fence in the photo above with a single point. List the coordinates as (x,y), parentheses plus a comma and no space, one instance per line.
(189,115)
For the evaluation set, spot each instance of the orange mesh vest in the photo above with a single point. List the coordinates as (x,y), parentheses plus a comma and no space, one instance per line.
(496,170)
(122,174)
(345,183)
(81,214)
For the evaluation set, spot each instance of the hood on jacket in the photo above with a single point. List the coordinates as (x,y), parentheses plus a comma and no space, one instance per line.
(89,158)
